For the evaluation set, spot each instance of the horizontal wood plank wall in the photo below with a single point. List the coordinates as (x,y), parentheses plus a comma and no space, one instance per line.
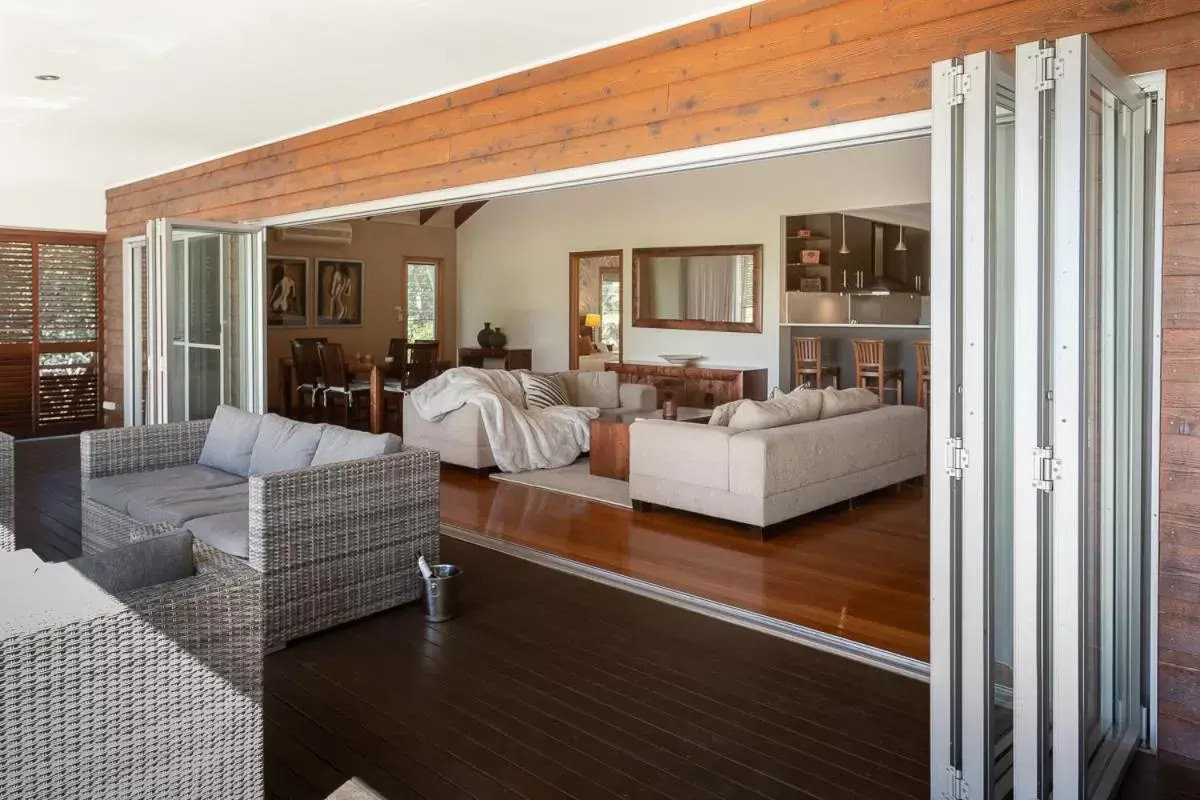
(778,66)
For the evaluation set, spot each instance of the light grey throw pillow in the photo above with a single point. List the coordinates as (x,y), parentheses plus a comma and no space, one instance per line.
(724,412)
(340,444)
(149,562)
(788,409)
(230,440)
(284,444)
(840,402)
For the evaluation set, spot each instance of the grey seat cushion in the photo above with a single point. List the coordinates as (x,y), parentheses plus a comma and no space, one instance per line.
(341,444)
(230,440)
(284,444)
(229,532)
(135,566)
(176,505)
(115,491)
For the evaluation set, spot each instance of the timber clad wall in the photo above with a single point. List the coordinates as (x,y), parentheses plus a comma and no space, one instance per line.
(777,66)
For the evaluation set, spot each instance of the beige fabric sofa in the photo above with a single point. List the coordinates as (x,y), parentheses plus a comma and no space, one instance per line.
(764,477)
(461,439)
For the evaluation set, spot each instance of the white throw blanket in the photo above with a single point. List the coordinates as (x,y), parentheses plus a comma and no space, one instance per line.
(522,439)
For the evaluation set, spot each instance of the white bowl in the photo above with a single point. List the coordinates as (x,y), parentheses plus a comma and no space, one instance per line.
(682,359)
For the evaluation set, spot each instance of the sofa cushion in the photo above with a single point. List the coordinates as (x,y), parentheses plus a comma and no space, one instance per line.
(724,412)
(230,440)
(341,444)
(115,491)
(174,506)
(229,532)
(542,391)
(284,444)
(789,409)
(840,402)
(149,562)
(592,389)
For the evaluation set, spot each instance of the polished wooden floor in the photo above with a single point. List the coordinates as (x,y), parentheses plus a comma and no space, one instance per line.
(549,686)
(861,572)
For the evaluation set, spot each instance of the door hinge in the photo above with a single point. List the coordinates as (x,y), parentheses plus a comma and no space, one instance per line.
(1047,468)
(956,457)
(960,84)
(1049,69)
(956,788)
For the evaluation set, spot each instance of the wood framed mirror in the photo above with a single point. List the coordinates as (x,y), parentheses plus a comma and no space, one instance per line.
(714,288)
(594,335)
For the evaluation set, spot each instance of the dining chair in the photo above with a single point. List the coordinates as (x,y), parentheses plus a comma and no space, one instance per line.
(808,367)
(872,373)
(393,384)
(922,347)
(397,360)
(306,367)
(340,390)
(422,363)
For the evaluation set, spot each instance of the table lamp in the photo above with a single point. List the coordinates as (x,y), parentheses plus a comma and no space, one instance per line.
(593,321)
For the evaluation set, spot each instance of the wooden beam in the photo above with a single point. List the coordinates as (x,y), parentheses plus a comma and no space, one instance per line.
(466,211)
(426,214)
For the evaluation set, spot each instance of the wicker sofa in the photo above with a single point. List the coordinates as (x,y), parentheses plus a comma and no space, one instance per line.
(152,693)
(7,534)
(333,542)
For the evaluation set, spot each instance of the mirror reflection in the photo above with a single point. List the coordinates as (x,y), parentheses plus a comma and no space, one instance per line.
(702,288)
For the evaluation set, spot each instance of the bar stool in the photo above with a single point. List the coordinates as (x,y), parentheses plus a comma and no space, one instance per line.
(807,367)
(871,372)
(922,346)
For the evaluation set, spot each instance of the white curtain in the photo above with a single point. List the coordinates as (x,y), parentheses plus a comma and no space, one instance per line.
(712,289)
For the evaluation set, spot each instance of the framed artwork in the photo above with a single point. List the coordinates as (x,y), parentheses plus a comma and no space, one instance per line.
(287,292)
(339,292)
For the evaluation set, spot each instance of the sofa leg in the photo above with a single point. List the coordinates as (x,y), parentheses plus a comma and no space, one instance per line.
(483,472)
(642,505)
(769,531)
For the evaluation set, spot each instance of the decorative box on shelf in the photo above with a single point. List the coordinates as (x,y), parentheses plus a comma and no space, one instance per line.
(810,256)
(802,233)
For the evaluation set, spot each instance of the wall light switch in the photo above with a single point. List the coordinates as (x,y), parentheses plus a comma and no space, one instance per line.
(109,405)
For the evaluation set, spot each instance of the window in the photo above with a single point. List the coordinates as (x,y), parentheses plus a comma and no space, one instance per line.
(421,302)
(610,309)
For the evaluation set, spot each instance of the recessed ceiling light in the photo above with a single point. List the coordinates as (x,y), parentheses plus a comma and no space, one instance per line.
(47,77)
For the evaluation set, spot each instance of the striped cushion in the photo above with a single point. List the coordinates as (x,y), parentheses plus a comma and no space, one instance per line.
(542,391)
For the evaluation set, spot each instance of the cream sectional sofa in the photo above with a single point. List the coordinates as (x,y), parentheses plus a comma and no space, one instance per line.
(764,477)
(461,439)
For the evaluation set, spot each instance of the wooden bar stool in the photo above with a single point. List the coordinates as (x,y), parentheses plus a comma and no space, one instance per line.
(922,346)
(873,374)
(808,370)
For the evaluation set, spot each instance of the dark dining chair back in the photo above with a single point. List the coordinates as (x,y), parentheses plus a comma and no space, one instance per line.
(307,363)
(398,353)
(333,365)
(422,363)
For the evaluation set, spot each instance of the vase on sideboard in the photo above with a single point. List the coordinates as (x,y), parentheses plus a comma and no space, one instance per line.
(484,337)
(499,338)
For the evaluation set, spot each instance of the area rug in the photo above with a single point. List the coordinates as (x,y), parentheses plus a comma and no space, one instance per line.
(573,479)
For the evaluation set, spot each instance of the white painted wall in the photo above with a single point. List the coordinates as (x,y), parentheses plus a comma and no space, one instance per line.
(513,254)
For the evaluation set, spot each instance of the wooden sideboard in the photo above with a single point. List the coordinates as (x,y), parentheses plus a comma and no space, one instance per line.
(513,359)
(699,386)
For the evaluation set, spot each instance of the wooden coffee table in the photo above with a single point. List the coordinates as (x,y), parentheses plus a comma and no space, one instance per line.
(609,457)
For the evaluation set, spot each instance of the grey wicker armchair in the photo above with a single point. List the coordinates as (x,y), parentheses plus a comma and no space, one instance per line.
(150,694)
(333,543)
(7,534)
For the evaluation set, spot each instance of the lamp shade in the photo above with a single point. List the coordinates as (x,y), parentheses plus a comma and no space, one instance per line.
(592,320)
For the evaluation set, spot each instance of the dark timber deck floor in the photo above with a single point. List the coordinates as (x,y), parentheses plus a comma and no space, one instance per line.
(552,686)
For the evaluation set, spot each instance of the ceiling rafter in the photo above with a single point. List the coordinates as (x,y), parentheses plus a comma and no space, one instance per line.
(466,211)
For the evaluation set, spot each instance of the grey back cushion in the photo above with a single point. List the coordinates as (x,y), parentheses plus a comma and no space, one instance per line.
(230,441)
(340,444)
(284,444)
(149,562)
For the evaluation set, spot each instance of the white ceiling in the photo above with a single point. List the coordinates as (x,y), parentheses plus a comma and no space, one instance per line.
(151,85)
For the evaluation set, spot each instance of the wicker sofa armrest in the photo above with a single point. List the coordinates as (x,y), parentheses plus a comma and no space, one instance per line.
(338,541)
(7,537)
(215,615)
(117,451)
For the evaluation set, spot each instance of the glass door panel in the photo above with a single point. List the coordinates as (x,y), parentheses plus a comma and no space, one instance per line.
(1081,161)
(205,291)
(971,486)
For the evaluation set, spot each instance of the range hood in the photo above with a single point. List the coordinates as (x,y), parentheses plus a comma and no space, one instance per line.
(880,284)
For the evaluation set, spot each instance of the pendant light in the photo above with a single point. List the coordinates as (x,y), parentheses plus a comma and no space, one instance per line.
(901,247)
(843,249)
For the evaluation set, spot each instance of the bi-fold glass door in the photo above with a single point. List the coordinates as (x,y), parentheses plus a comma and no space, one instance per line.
(1037,421)
(197,339)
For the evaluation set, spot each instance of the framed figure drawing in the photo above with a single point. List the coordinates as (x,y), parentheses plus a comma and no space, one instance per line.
(339,292)
(287,292)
